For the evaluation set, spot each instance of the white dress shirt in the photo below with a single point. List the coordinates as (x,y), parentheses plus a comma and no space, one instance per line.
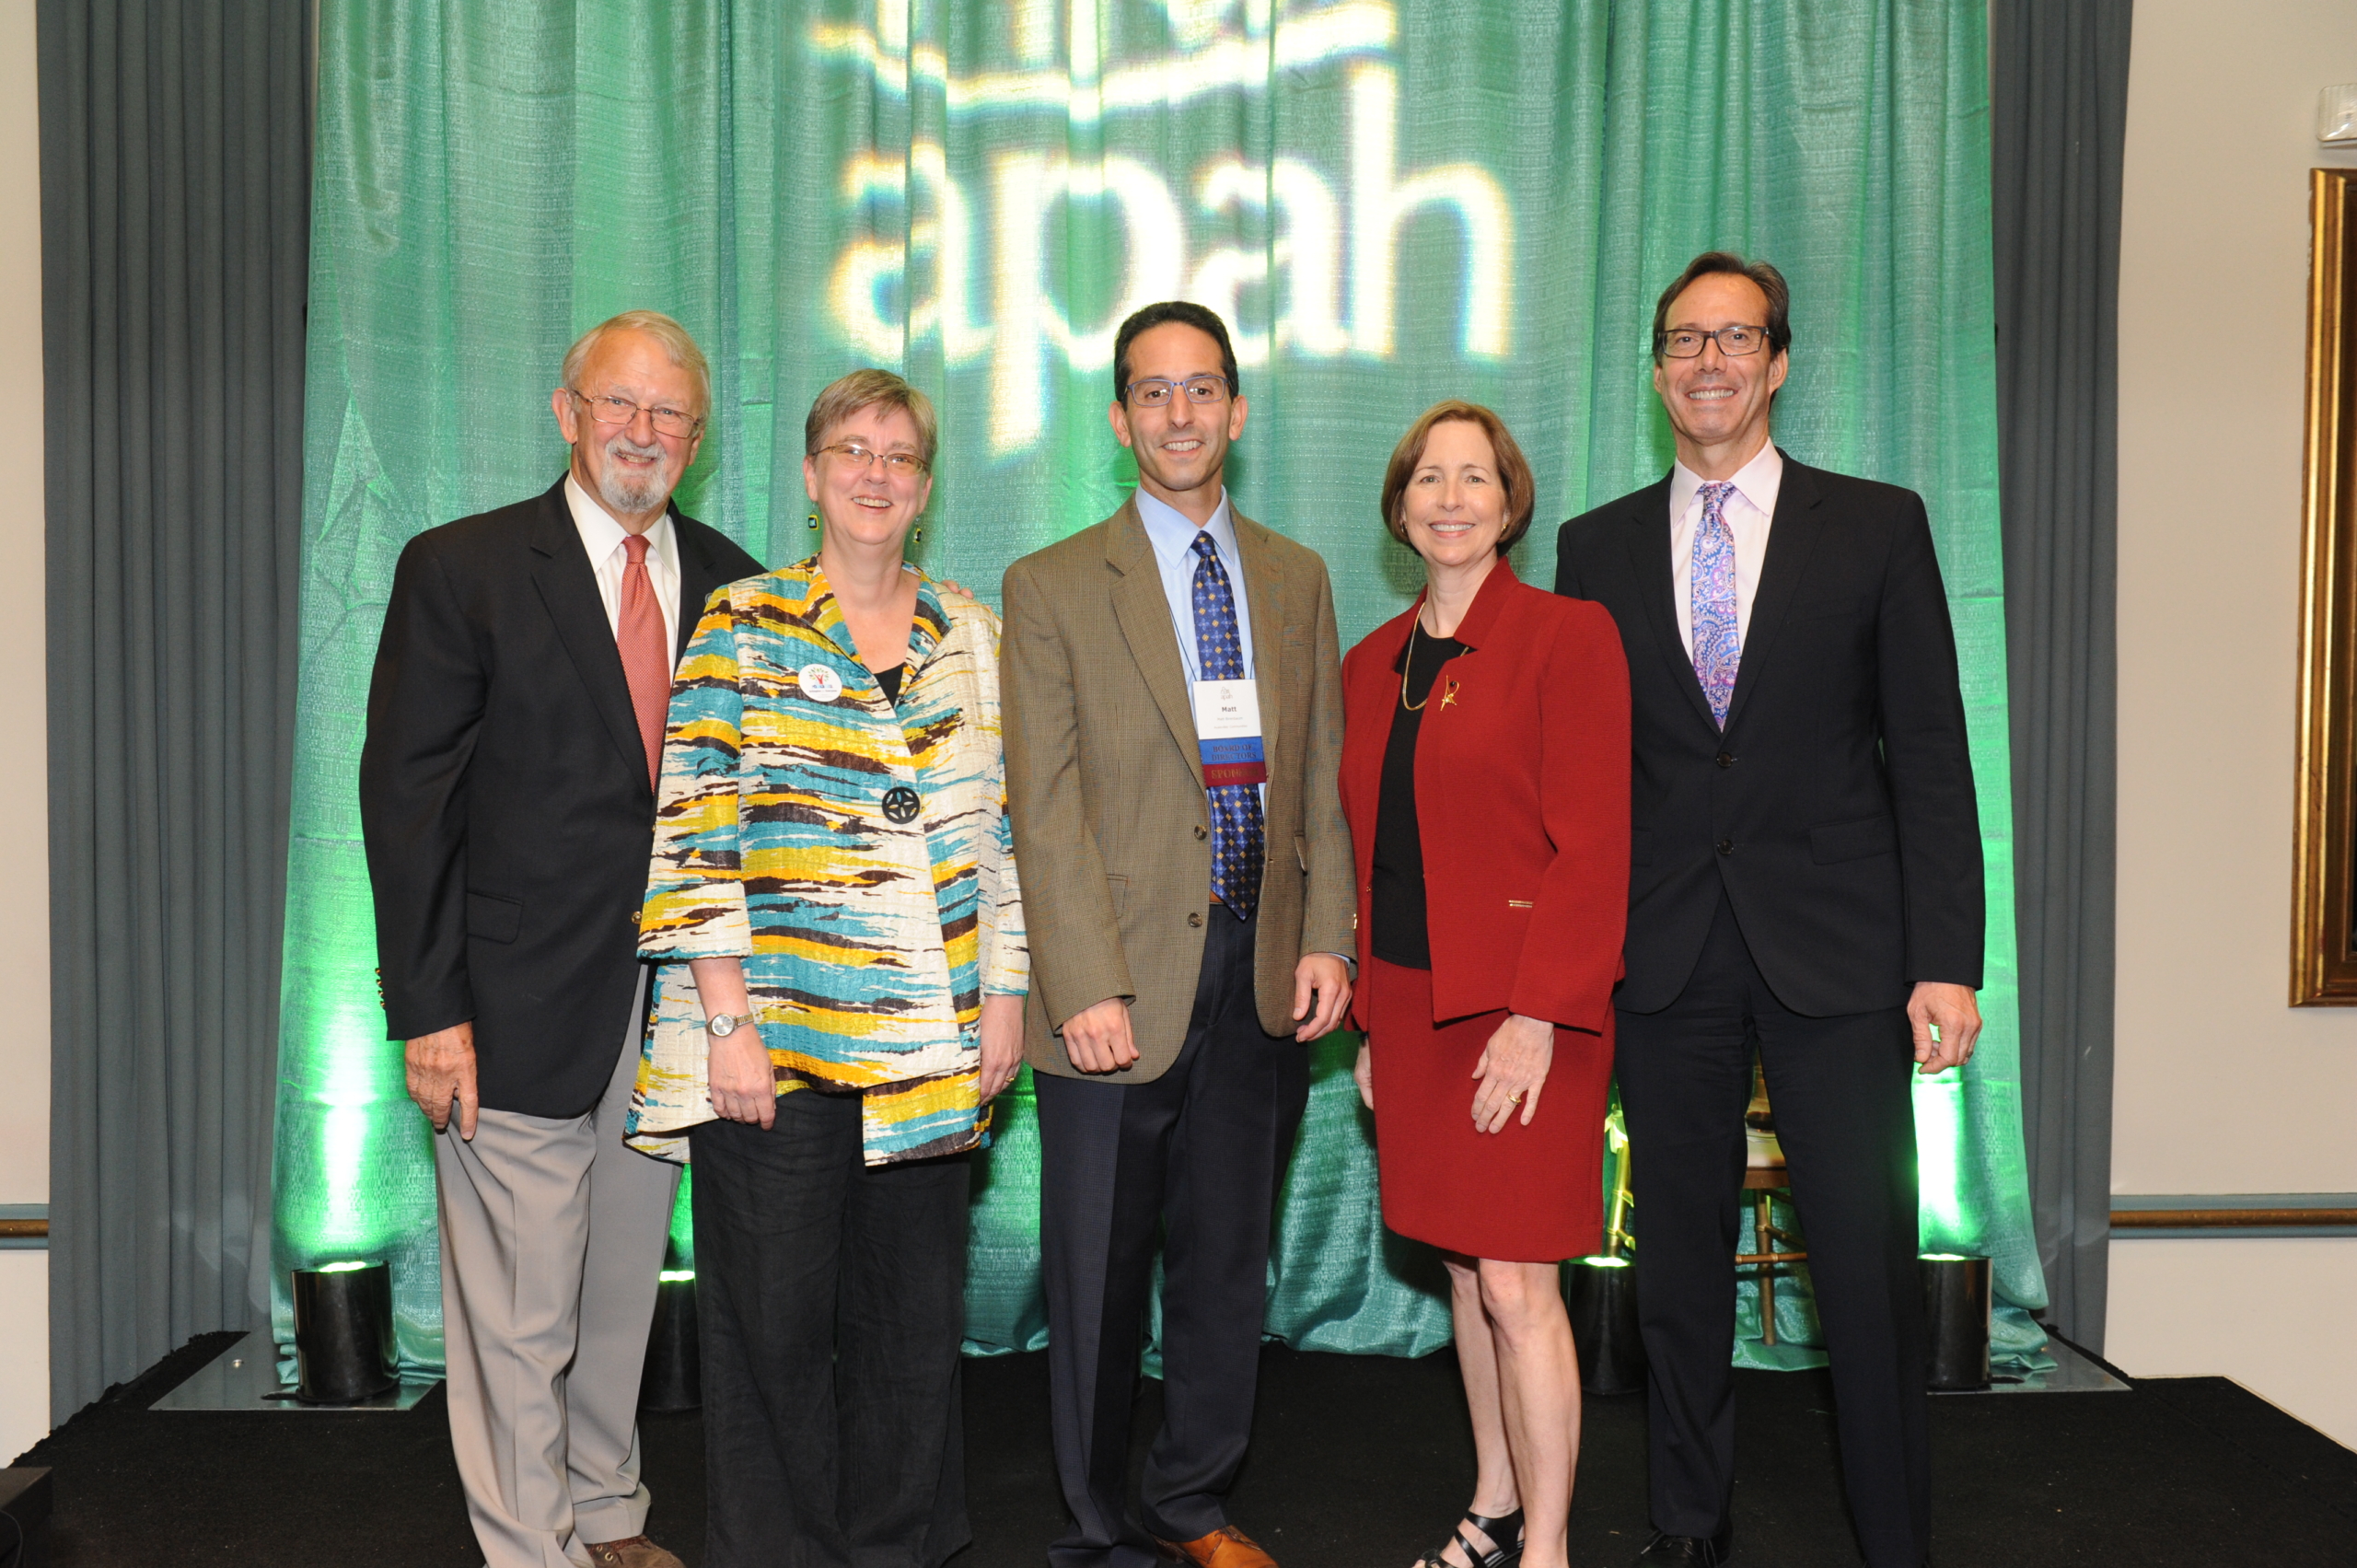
(1748,512)
(1172,534)
(602,538)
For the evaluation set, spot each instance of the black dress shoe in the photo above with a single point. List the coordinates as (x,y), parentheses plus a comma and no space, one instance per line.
(1689,1552)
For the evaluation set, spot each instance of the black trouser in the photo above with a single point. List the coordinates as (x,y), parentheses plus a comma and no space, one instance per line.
(1844,1114)
(1202,1150)
(831,1305)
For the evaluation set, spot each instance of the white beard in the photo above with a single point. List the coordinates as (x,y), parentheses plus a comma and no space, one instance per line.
(627,495)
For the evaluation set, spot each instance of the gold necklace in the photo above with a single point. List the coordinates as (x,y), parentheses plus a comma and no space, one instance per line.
(1409,662)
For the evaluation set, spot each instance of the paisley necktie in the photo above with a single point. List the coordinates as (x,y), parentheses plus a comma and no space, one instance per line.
(1718,639)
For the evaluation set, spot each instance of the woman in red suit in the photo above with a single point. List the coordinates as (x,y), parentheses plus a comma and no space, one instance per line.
(1485,774)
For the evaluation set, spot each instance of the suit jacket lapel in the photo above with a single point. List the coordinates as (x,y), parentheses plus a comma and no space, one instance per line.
(1143,612)
(568,587)
(1657,589)
(700,573)
(1264,590)
(1793,533)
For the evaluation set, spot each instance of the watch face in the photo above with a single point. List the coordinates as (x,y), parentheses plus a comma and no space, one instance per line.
(722,1026)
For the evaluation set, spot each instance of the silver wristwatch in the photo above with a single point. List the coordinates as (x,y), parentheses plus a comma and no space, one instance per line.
(725,1023)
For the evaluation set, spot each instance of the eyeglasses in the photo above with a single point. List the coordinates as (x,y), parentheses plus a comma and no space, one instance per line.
(1685,342)
(899,465)
(622,411)
(1155,391)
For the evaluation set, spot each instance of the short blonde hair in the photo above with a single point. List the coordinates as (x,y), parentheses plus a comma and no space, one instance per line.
(847,395)
(676,343)
(1514,468)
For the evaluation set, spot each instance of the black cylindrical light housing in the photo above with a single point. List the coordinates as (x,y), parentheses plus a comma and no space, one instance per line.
(673,1379)
(1956,1320)
(343,1333)
(1602,1295)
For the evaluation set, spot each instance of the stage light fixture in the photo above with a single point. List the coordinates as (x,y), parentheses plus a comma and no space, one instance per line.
(673,1376)
(343,1333)
(1956,1313)
(1602,1301)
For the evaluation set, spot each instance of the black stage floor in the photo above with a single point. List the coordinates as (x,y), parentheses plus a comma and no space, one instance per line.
(1357,1462)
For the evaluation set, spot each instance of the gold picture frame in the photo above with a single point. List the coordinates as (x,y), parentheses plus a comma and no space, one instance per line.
(2324,856)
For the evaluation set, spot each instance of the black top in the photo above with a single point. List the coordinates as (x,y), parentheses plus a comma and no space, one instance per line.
(1398,895)
(890,680)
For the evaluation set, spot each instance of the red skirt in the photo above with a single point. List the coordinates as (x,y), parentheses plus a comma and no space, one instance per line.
(1529,1194)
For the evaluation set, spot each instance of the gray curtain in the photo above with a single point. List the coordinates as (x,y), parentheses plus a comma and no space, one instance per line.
(175,197)
(2058,108)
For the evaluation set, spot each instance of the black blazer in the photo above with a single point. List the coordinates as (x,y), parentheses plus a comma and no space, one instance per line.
(504,798)
(1837,808)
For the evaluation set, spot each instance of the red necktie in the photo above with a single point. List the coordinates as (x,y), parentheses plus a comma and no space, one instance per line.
(646,656)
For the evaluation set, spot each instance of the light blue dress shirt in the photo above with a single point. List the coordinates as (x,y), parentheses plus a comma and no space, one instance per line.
(1172,534)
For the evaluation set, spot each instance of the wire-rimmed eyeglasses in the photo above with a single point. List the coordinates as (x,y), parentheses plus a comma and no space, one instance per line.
(622,411)
(1685,342)
(899,465)
(1155,391)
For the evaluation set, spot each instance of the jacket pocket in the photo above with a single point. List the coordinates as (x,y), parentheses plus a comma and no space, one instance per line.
(492,917)
(1832,842)
(1116,888)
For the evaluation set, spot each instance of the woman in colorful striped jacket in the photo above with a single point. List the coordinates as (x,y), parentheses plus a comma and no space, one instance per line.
(834,906)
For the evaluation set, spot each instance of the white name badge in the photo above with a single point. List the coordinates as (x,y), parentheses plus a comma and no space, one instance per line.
(1227,728)
(820,683)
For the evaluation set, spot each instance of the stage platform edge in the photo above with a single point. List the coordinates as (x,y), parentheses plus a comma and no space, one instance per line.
(244,1377)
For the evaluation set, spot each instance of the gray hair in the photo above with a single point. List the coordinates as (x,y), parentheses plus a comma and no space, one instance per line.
(676,343)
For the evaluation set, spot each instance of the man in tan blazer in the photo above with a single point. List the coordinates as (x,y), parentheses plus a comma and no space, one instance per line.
(1173,723)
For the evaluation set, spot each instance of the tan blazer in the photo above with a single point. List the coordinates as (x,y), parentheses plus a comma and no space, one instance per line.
(1104,786)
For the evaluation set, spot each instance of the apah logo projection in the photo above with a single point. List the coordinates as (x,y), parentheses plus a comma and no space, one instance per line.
(960,250)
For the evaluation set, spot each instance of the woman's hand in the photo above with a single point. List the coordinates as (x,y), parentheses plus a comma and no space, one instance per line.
(1513,1069)
(738,1076)
(1364,1071)
(1002,1032)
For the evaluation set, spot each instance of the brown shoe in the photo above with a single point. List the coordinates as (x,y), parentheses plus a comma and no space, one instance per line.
(1226,1547)
(637,1552)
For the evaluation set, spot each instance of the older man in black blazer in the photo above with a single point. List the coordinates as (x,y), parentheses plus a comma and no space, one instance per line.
(1805,884)
(506,795)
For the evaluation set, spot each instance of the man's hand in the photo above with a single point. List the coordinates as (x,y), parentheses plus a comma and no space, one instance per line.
(441,1069)
(1951,1012)
(1002,1044)
(738,1075)
(1324,980)
(1098,1039)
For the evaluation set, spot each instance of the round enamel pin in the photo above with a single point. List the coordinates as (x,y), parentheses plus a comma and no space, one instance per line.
(820,683)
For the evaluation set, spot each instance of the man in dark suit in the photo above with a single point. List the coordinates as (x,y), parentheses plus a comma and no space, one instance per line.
(1805,884)
(507,798)
(1174,725)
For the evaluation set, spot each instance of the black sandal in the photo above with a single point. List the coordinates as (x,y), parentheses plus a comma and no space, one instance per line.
(1496,1529)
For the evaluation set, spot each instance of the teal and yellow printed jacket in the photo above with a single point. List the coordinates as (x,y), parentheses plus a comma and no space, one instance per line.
(855,856)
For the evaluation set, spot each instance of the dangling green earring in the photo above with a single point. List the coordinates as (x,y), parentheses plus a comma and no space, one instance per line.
(814,519)
(916,536)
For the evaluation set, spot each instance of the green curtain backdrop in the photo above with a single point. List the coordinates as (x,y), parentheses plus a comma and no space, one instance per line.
(1391,203)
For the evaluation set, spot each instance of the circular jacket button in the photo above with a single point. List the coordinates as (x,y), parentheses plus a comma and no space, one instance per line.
(901,804)
(1725,758)
(1201,832)
(1195,917)
(1726,846)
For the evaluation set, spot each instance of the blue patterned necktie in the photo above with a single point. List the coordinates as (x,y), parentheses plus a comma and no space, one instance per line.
(1239,841)
(1718,639)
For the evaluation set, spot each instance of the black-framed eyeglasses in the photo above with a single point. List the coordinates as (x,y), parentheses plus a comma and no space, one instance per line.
(899,465)
(622,411)
(1155,391)
(1685,342)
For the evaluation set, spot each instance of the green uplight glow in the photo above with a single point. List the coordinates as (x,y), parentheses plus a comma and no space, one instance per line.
(673,1276)
(1946,1258)
(1939,1135)
(338,1268)
(1606,1262)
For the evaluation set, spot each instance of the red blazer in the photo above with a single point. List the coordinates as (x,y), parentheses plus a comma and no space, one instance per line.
(1522,797)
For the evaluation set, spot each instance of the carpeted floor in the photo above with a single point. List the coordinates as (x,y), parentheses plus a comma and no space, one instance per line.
(1357,1462)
